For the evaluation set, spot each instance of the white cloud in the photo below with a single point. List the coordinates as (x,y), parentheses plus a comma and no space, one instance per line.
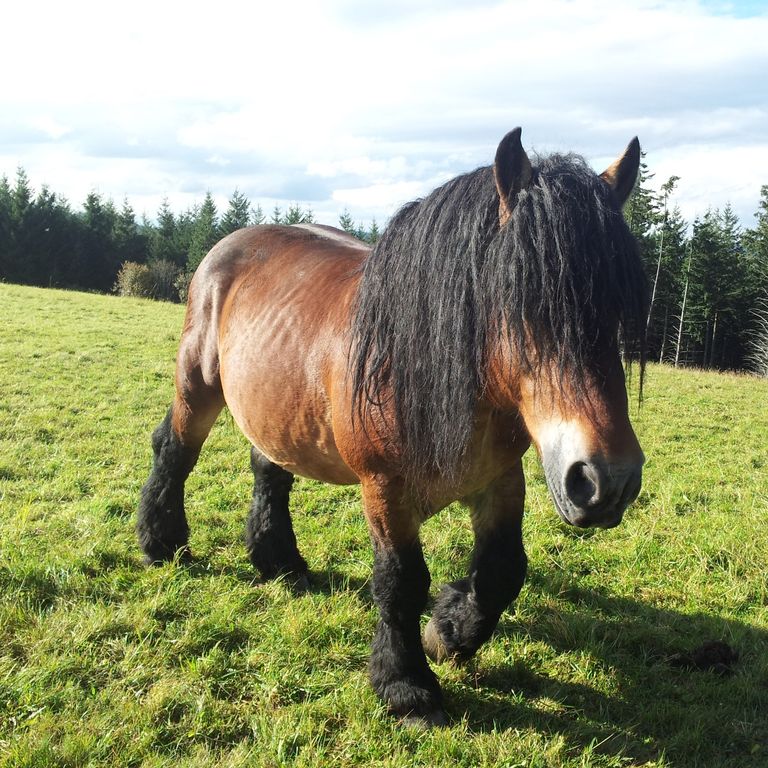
(385,196)
(359,166)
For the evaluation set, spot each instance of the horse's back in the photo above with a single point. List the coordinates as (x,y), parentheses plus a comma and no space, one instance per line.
(257,252)
(268,320)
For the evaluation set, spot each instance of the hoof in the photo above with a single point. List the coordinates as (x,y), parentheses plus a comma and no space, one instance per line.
(435,719)
(433,644)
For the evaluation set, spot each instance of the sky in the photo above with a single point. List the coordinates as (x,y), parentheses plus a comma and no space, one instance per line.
(364,105)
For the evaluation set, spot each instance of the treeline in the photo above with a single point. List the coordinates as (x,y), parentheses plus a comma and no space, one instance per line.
(709,280)
(101,247)
(709,277)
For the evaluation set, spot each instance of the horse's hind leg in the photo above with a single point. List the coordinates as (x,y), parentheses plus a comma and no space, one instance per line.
(161,522)
(269,534)
(467,611)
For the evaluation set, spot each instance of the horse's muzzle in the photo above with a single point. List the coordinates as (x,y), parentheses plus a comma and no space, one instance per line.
(594,493)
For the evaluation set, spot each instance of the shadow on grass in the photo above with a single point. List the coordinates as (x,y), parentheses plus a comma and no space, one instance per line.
(690,717)
(322,582)
(330,581)
(653,711)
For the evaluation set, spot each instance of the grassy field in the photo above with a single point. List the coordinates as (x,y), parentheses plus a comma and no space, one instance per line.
(104,662)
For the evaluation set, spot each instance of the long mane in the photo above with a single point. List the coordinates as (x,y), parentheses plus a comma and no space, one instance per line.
(445,276)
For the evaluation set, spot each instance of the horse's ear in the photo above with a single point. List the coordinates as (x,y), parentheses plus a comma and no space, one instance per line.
(622,174)
(512,172)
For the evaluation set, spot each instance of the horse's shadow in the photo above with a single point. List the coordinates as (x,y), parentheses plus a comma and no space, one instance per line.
(327,581)
(689,716)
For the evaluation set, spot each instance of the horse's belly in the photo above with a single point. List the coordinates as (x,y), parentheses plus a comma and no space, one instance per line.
(282,408)
(315,459)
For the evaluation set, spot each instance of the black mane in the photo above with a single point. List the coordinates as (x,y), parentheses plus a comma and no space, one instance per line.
(444,276)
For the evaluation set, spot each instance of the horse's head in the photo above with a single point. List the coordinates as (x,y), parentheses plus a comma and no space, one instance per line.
(591,456)
(578,291)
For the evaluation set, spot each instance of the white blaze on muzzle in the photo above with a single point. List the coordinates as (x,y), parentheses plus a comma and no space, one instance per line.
(588,488)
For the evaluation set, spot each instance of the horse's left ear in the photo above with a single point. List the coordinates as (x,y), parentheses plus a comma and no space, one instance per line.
(622,174)
(512,172)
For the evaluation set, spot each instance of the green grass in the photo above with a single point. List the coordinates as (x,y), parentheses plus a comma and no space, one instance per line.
(104,662)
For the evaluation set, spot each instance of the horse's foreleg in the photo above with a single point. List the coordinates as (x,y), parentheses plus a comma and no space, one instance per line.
(269,534)
(467,611)
(161,524)
(398,668)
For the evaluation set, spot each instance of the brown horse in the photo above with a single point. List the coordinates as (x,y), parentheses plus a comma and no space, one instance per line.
(488,316)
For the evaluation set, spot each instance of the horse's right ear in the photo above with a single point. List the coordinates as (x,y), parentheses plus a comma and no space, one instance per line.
(512,172)
(622,173)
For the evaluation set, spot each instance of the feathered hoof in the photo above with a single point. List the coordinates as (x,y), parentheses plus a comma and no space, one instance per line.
(433,644)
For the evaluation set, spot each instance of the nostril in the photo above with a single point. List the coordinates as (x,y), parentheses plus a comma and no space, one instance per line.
(581,484)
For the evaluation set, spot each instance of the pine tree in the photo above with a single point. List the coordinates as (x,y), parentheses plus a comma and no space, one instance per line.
(715,288)
(21,197)
(730,349)
(205,234)
(256,216)
(346,222)
(164,241)
(185,232)
(98,260)
(295,215)
(661,240)
(641,213)
(6,242)
(52,241)
(755,245)
(131,244)
(19,230)
(237,214)
(373,233)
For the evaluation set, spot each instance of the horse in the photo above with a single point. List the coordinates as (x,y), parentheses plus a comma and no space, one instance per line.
(498,311)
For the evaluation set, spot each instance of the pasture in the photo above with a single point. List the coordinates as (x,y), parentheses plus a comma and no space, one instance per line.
(105,662)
